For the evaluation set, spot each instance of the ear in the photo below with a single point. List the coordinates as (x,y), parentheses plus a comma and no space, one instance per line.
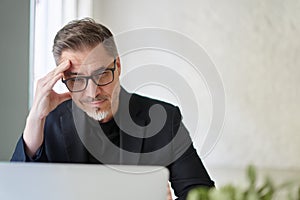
(118,65)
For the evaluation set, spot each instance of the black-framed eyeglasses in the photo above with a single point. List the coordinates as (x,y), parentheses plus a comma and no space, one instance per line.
(100,78)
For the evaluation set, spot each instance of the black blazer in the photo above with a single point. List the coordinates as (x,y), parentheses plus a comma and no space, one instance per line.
(160,138)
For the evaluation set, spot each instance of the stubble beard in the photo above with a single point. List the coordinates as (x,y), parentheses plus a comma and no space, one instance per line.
(97,115)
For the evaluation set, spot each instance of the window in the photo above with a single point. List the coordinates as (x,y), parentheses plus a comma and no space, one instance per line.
(49,17)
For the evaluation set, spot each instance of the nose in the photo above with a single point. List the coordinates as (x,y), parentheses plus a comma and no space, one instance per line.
(92,89)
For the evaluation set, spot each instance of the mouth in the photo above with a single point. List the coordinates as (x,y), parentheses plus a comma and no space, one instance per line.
(96,103)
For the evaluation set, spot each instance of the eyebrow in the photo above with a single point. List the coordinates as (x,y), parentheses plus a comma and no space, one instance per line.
(70,73)
(100,69)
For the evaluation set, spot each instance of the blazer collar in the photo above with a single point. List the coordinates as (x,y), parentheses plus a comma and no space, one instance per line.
(77,138)
(76,152)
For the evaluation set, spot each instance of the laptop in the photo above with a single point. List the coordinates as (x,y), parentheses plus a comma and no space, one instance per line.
(32,181)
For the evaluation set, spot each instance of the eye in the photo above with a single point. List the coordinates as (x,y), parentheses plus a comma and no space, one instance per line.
(71,80)
(76,80)
(99,75)
(79,78)
(105,73)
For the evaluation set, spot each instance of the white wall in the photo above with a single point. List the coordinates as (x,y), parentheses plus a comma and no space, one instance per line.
(255,46)
(14,57)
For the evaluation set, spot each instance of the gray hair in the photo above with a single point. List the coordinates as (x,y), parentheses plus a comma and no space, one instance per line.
(83,33)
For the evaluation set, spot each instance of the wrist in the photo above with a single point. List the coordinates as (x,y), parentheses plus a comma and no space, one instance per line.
(33,133)
(35,116)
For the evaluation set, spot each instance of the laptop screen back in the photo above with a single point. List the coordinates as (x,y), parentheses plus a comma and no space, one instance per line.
(30,181)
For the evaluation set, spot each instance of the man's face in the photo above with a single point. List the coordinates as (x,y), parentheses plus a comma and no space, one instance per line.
(99,102)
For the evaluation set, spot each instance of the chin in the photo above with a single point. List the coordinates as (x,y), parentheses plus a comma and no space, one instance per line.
(97,115)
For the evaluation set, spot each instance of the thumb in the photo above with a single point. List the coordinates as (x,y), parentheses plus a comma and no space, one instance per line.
(63,97)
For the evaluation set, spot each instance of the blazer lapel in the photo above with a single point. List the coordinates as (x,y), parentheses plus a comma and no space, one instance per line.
(132,130)
(76,151)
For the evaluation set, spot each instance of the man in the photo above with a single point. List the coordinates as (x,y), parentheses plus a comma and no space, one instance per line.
(98,121)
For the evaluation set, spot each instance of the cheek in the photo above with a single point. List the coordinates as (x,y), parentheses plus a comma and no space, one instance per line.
(76,96)
(107,89)
(111,90)
(114,85)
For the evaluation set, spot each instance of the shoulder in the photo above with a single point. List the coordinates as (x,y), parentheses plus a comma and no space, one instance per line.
(141,105)
(145,101)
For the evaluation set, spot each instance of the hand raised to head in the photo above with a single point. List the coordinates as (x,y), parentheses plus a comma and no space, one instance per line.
(46,99)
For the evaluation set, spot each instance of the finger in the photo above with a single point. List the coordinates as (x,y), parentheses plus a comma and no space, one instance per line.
(169,196)
(62,67)
(63,97)
(52,74)
(50,84)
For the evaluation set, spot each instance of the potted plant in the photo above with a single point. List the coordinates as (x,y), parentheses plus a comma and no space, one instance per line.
(266,191)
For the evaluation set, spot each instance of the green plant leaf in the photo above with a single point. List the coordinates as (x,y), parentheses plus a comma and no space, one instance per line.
(199,193)
(266,191)
(251,173)
(225,193)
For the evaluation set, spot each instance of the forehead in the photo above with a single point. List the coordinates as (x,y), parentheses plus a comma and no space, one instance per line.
(87,59)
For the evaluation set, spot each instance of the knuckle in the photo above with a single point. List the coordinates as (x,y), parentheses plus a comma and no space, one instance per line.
(40,81)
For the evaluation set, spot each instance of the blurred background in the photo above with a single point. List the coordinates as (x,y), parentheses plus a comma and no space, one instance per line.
(254,45)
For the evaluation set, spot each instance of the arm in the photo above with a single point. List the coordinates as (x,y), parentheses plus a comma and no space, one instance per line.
(45,100)
(187,171)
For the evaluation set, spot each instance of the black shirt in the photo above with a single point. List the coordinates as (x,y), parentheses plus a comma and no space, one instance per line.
(112,132)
